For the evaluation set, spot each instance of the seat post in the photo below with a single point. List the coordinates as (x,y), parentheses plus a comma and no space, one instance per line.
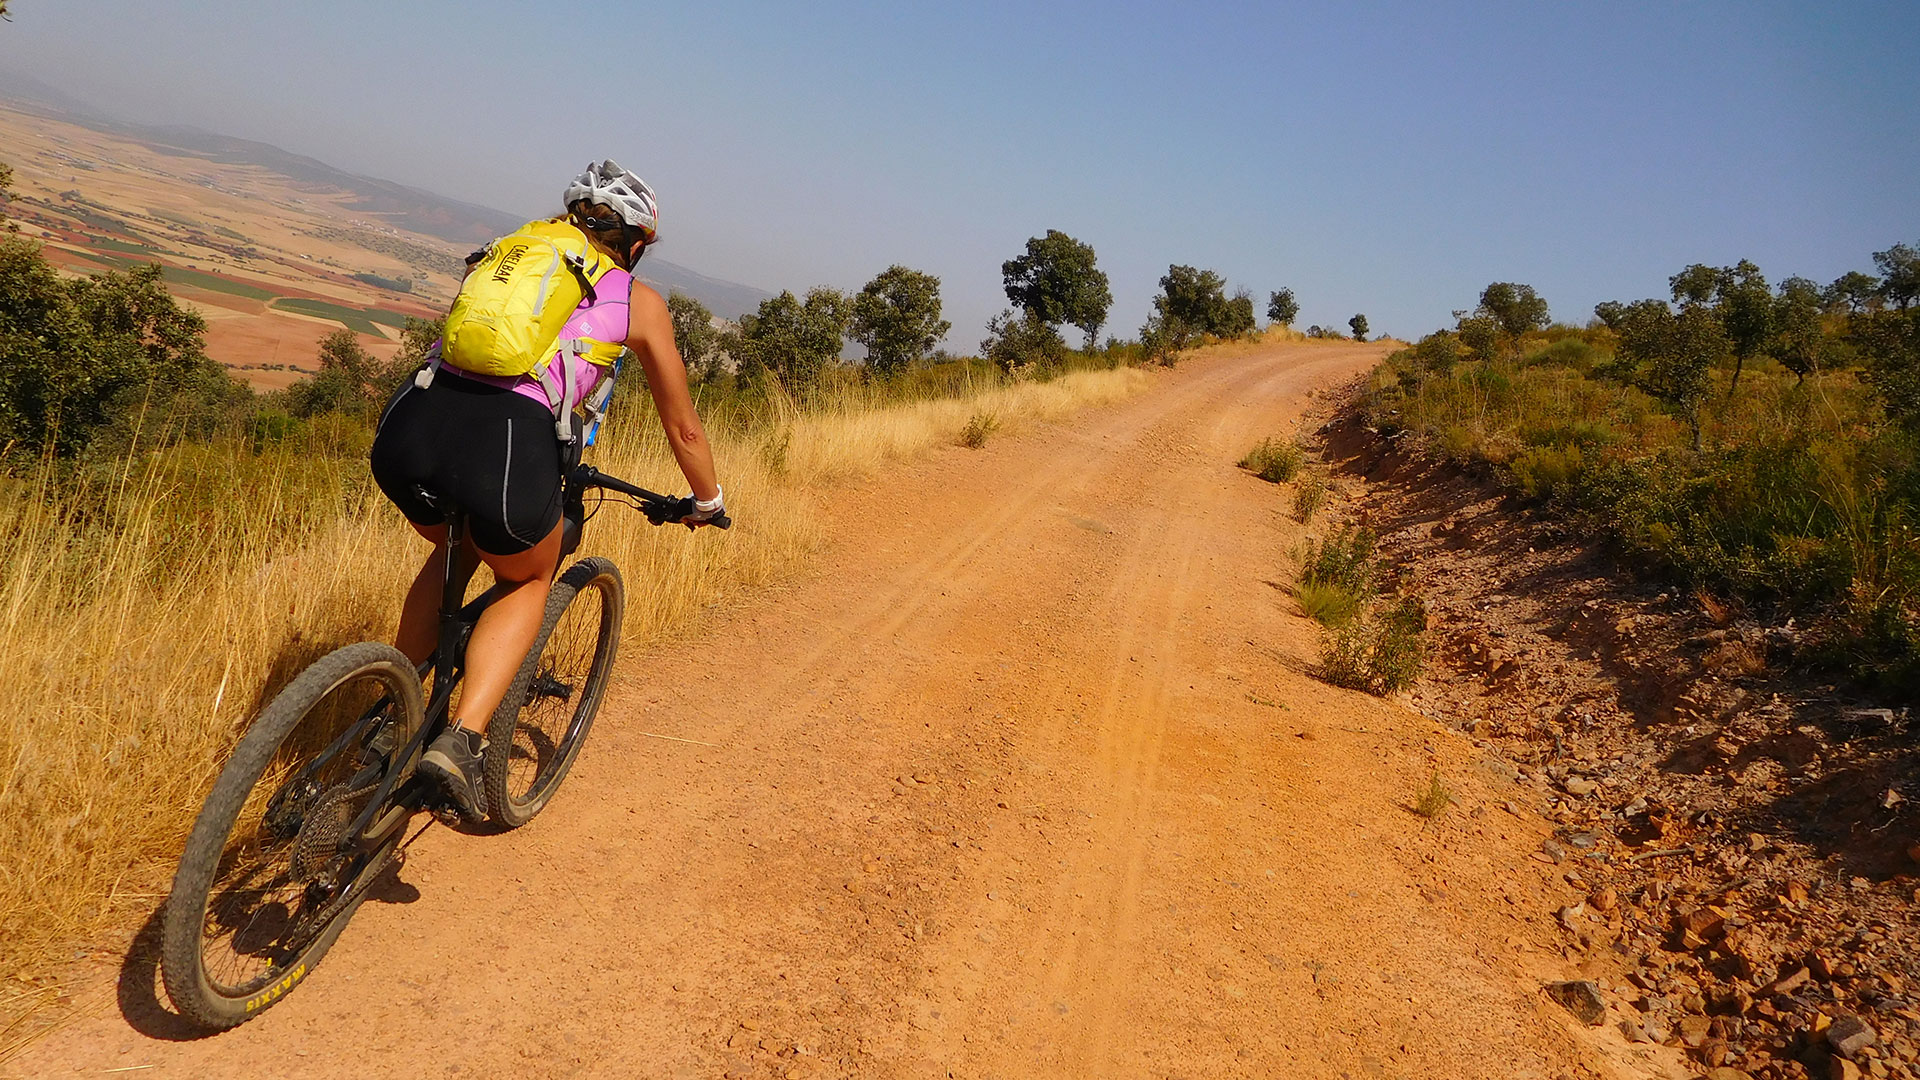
(453,594)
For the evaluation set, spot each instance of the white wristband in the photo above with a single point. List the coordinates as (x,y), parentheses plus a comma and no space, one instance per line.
(709,505)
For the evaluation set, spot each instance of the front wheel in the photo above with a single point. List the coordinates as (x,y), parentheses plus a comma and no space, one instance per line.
(537,730)
(270,874)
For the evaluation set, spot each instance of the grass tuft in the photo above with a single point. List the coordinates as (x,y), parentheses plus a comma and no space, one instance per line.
(1274,461)
(1381,652)
(978,427)
(1309,495)
(1344,558)
(1434,801)
(1327,603)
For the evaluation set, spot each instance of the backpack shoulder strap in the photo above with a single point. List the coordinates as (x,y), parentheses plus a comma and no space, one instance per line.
(559,389)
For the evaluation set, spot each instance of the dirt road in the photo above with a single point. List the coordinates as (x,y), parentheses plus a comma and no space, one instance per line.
(1027,779)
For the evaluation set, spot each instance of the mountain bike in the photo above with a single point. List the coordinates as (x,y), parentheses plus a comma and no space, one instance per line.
(313,804)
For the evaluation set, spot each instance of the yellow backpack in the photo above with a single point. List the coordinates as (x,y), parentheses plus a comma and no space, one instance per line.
(513,305)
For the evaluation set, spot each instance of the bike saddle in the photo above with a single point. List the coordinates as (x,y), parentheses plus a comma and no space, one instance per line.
(434,501)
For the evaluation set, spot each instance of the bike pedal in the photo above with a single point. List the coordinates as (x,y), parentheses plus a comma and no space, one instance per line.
(447,815)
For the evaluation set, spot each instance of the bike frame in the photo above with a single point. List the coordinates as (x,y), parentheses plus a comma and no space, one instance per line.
(448,661)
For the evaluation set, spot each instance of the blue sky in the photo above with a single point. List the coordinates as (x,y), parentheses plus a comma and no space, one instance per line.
(1386,158)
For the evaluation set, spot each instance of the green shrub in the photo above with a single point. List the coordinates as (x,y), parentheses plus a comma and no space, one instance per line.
(1309,495)
(1274,461)
(1545,469)
(1343,656)
(1569,352)
(1399,650)
(1344,558)
(1381,652)
(1022,344)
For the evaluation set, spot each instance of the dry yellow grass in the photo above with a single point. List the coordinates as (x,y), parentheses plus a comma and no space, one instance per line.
(143,623)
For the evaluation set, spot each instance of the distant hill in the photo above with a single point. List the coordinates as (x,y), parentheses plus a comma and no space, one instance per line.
(398,205)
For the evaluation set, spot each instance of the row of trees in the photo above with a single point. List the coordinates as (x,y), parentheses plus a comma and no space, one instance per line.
(1055,283)
(1759,440)
(896,316)
(1724,318)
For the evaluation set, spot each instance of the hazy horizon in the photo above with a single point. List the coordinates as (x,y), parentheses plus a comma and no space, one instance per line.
(1381,159)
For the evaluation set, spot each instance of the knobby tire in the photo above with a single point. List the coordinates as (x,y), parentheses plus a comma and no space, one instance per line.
(224,851)
(535,734)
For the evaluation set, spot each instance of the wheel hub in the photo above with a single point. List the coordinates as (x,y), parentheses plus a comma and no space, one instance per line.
(548,686)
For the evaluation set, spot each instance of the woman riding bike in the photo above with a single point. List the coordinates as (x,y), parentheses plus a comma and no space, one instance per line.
(488,444)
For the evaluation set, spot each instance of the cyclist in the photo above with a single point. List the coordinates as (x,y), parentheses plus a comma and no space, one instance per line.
(489,445)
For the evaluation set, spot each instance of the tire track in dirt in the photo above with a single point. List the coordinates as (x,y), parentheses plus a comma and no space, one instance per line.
(1013,785)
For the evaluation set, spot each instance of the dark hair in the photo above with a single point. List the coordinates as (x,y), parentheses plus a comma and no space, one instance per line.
(605,223)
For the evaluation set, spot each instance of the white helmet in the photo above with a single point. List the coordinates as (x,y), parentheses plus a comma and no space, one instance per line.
(629,196)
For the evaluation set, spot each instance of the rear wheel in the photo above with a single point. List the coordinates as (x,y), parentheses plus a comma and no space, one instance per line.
(541,723)
(270,874)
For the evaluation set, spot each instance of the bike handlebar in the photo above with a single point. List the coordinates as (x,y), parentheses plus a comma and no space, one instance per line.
(659,509)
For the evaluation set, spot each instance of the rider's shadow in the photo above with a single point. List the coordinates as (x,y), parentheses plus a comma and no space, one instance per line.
(141,998)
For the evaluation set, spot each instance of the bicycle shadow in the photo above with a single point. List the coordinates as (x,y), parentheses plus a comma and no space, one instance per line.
(139,993)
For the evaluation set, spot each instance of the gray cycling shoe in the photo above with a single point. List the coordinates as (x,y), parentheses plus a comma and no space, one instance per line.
(454,759)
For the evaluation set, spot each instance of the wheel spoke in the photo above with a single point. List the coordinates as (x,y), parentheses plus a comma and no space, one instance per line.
(265,905)
(560,691)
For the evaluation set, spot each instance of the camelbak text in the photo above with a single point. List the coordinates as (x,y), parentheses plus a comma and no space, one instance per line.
(507,262)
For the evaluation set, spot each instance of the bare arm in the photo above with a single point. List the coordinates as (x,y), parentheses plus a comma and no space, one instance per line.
(650,336)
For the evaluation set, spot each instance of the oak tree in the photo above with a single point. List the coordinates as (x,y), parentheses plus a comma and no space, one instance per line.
(1058,283)
(1282,308)
(794,340)
(1899,268)
(897,317)
(1797,339)
(1745,306)
(1515,309)
(693,335)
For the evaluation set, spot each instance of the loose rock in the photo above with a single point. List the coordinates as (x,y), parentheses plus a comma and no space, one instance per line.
(1849,1035)
(1582,999)
(1788,983)
(1694,1031)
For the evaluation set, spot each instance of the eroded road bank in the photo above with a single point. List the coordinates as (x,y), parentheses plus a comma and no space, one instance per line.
(1026,779)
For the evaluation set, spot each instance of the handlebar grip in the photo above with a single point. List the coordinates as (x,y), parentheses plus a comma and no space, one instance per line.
(660,509)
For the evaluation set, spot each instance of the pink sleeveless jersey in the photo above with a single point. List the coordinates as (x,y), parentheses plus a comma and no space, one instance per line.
(602,317)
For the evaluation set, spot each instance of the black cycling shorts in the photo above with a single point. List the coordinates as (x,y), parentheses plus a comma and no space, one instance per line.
(489,450)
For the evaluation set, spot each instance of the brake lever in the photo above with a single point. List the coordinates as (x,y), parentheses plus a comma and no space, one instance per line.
(665,510)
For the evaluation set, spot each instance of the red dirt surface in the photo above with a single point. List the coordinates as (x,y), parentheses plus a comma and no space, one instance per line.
(1027,779)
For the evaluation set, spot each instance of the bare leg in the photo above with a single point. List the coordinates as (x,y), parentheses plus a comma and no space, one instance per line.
(506,629)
